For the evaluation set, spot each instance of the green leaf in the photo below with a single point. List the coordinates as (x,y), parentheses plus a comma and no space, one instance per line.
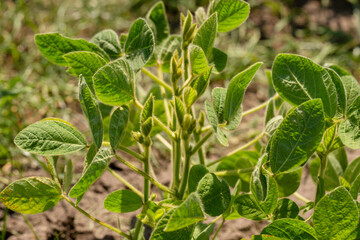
(158,21)
(122,201)
(286,208)
(265,237)
(203,231)
(31,195)
(247,207)
(297,137)
(353,170)
(336,215)
(50,137)
(352,89)
(288,182)
(272,125)
(239,160)
(335,168)
(236,90)
(118,123)
(199,84)
(219,58)
(188,213)
(211,115)
(355,188)
(148,109)
(108,41)
(290,229)
(214,194)
(198,60)
(206,34)
(219,95)
(91,111)
(297,79)
(235,121)
(122,40)
(166,50)
(340,92)
(51,162)
(349,129)
(113,84)
(160,234)
(140,44)
(330,141)
(231,13)
(180,110)
(270,111)
(54,45)
(197,172)
(85,64)
(68,175)
(340,71)
(93,171)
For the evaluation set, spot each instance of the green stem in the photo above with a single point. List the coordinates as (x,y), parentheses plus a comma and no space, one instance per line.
(30,226)
(95,219)
(126,183)
(145,175)
(257,138)
(320,191)
(157,80)
(200,152)
(186,63)
(219,228)
(131,152)
(301,197)
(164,128)
(163,93)
(200,143)
(185,174)
(233,172)
(261,106)
(147,154)
(163,141)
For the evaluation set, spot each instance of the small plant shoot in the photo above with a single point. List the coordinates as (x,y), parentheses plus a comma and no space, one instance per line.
(309,121)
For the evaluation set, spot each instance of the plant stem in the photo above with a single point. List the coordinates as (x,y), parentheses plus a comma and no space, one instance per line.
(186,63)
(219,228)
(147,153)
(200,152)
(164,128)
(176,155)
(185,174)
(163,93)
(95,219)
(201,142)
(126,183)
(157,80)
(233,172)
(261,106)
(163,141)
(320,191)
(30,226)
(131,152)
(301,197)
(142,173)
(257,138)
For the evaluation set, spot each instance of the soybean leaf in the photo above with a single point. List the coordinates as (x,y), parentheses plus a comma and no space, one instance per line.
(51,162)
(93,171)
(85,64)
(355,188)
(158,21)
(180,110)
(188,213)
(118,123)
(122,40)
(297,79)
(68,175)
(297,137)
(203,231)
(231,13)
(286,208)
(211,115)
(197,172)
(236,90)
(290,229)
(108,41)
(352,89)
(335,168)
(53,46)
(206,34)
(236,161)
(166,50)
(288,182)
(91,111)
(219,58)
(219,95)
(353,170)
(340,71)
(199,84)
(270,110)
(31,195)
(265,237)
(272,125)
(349,129)
(214,194)
(160,234)
(198,61)
(330,141)
(139,44)
(340,92)
(247,207)
(122,201)
(112,83)
(336,215)
(50,137)
(235,121)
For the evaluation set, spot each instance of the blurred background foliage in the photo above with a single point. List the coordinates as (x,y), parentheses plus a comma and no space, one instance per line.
(31,88)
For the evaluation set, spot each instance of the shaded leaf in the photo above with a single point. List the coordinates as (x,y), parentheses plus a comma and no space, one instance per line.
(206,34)
(290,229)
(118,123)
(108,41)
(286,208)
(247,207)
(122,201)
(197,172)
(198,61)
(349,129)
(158,21)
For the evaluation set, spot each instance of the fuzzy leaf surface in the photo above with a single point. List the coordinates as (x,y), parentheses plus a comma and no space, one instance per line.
(108,41)
(290,229)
